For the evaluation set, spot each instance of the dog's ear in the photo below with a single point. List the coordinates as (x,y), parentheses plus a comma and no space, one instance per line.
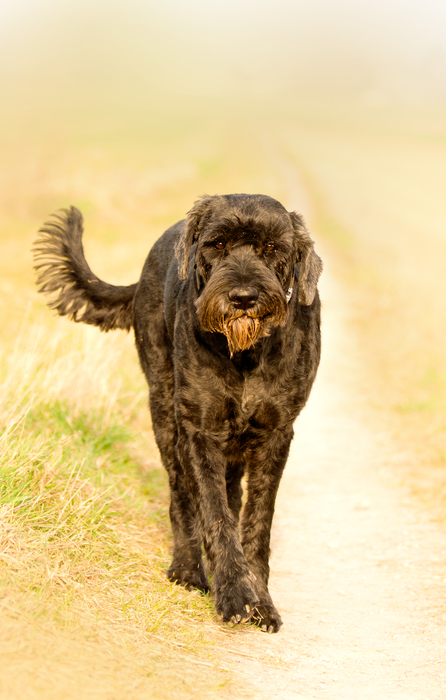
(310,262)
(196,218)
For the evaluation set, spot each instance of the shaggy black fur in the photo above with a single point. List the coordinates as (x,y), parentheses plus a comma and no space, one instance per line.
(227,326)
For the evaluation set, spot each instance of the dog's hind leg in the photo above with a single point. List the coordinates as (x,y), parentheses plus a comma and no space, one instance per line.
(187,567)
(154,350)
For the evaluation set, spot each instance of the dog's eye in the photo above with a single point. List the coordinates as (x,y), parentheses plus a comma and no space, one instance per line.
(269,247)
(219,245)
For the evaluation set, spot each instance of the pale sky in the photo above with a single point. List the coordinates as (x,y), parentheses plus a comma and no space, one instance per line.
(363,47)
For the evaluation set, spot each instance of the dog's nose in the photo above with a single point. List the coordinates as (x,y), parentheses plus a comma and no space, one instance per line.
(243,297)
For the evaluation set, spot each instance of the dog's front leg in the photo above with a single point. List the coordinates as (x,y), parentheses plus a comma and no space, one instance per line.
(204,464)
(265,468)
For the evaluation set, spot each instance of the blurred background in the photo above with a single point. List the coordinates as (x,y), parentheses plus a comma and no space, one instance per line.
(131,110)
(100,56)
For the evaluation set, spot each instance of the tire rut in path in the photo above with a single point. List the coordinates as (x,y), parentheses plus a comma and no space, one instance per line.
(357,570)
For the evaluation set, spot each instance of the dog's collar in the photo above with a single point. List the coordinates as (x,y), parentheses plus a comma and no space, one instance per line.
(289,293)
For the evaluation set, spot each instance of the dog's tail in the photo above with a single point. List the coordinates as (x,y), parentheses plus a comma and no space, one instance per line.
(62,271)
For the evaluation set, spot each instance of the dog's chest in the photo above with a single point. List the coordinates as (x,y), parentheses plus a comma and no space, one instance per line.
(257,406)
(252,395)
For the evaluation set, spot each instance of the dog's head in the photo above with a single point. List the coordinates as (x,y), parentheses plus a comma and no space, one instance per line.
(245,249)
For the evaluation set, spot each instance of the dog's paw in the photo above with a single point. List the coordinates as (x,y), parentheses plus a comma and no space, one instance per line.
(189,578)
(266,617)
(236,603)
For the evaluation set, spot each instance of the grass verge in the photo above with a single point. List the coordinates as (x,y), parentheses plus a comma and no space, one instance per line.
(85,540)
(84,537)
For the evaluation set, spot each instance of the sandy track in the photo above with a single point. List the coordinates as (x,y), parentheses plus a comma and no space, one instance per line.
(358,570)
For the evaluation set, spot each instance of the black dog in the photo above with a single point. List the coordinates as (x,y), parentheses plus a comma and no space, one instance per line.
(227,326)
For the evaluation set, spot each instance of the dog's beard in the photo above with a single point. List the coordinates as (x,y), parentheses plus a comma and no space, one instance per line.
(241,329)
(242,332)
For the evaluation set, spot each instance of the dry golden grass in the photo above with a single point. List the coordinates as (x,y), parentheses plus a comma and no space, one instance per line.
(84,533)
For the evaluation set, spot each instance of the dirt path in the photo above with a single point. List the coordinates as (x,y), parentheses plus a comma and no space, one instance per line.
(358,572)
(358,569)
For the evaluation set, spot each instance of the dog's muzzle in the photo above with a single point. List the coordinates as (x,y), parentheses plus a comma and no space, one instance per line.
(244,312)
(243,297)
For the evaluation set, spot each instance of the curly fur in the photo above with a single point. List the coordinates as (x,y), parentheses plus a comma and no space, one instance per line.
(227,327)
